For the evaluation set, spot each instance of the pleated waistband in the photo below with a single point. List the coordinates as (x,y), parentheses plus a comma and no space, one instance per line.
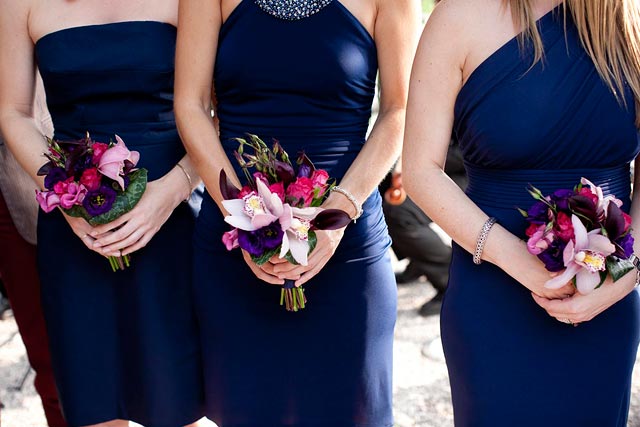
(508,188)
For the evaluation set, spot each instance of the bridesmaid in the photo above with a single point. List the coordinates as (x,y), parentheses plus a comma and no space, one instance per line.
(124,345)
(303,72)
(548,105)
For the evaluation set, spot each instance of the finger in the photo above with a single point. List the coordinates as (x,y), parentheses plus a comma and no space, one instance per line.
(117,236)
(104,228)
(309,275)
(124,243)
(277,260)
(257,271)
(141,243)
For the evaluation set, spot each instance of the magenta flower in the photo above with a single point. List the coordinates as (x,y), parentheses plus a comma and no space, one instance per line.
(230,239)
(583,258)
(75,194)
(91,179)
(540,240)
(98,149)
(48,200)
(300,191)
(602,203)
(113,160)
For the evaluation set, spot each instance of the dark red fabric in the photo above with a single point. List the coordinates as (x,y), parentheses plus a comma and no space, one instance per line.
(20,277)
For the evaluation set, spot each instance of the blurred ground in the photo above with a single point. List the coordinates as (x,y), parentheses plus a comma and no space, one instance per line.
(421,389)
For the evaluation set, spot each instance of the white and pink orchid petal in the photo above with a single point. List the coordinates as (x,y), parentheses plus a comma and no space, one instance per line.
(134,157)
(601,244)
(242,222)
(587,281)
(568,254)
(286,217)
(234,207)
(284,246)
(564,278)
(580,231)
(306,213)
(299,249)
(262,220)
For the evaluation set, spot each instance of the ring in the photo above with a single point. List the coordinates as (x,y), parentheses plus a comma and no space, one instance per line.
(567,321)
(85,235)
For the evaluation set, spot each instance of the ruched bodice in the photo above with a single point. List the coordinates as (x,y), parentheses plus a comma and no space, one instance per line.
(548,126)
(117,352)
(110,90)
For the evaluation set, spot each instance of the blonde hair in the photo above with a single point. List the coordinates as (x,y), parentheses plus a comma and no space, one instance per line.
(609,31)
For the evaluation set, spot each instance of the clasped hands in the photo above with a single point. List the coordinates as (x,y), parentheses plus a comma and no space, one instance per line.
(133,230)
(277,269)
(571,307)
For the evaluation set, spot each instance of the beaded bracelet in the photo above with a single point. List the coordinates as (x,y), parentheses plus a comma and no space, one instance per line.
(346,193)
(482,238)
(636,264)
(189,181)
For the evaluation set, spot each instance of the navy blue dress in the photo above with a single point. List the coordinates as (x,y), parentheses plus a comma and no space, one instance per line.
(124,344)
(309,83)
(510,363)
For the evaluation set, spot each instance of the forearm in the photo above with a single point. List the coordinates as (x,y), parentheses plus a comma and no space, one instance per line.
(373,162)
(26,142)
(204,149)
(444,202)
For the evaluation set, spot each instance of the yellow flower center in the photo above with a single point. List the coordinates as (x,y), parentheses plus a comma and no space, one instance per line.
(301,228)
(591,260)
(253,205)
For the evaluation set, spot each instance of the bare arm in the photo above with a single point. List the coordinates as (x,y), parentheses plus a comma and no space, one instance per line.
(435,82)
(397,29)
(17,88)
(199,22)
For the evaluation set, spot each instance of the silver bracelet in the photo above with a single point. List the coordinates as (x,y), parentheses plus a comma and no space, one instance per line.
(482,238)
(189,181)
(346,193)
(636,264)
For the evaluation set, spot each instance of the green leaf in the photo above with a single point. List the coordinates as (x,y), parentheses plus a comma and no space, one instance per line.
(125,201)
(265,256)
(618,267)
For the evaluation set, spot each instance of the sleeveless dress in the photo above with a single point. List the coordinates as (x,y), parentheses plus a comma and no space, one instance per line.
(124,344)
(510,363)
(309,83)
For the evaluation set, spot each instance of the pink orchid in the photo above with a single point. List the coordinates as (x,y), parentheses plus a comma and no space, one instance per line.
(255,211)
(584,258)
(112,161)
(48,200)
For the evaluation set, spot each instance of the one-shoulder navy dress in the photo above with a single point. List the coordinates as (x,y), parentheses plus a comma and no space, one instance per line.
(309,83)
(510,363)
(125,344)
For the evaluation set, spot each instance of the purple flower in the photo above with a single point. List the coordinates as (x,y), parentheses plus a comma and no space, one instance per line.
(552,256)
(54,176)
(250,242)
(538,213)
(561,198)
(99,201)
(624,246)
(304,170)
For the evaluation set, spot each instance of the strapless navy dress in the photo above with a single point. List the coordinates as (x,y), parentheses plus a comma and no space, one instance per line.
(124,344)
(309,83)
(510,363)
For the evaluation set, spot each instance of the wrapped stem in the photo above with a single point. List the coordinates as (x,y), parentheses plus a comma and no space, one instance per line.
(292,297)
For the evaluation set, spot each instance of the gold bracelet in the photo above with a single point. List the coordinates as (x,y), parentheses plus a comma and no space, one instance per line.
(189,181)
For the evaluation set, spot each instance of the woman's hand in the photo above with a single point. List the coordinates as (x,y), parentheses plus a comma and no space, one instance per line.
(582,308)
(265,271)
(328,241)
(83,230)
(133,230)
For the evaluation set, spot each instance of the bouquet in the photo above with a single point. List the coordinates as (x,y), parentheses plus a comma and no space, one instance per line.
(92,180)
(582,232)
(277,211)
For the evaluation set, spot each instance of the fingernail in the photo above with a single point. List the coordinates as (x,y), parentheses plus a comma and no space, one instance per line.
(97,245)
(94,233)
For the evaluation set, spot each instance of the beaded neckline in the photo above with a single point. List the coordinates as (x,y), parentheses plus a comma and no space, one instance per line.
(292,10)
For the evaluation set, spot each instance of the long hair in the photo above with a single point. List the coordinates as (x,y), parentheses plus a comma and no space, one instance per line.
(609,31)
